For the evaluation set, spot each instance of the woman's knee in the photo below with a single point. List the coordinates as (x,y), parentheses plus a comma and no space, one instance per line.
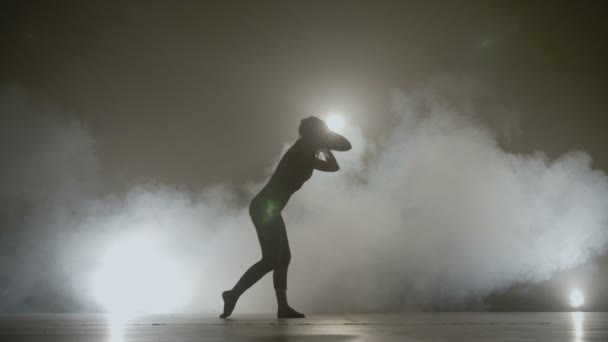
(284,260)
(267,264)
(273,262)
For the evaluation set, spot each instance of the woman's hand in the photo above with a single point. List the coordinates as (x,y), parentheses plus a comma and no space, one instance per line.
(330,164)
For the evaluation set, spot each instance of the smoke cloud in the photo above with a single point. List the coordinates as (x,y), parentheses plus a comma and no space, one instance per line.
(435,215)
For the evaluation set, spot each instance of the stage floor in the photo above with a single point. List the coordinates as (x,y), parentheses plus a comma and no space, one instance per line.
(550,327)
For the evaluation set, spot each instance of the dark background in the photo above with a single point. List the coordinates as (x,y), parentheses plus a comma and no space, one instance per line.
(192,93)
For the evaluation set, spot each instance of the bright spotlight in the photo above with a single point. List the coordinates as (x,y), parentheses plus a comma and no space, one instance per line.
(335,122)
(136,277)
(577,298)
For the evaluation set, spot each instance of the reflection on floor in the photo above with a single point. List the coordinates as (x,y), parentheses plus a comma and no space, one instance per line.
(554,327)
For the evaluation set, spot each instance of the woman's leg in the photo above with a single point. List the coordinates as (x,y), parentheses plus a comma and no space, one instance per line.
(280,273)
(268,242)
(268,236)
(283,257)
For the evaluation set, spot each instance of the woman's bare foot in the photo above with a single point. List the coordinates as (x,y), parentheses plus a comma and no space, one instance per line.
(289,312)
(229,303)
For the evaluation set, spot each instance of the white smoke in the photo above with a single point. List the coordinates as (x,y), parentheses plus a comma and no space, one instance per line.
(435,216)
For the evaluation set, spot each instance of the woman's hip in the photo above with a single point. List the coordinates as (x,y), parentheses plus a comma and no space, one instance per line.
(265,211)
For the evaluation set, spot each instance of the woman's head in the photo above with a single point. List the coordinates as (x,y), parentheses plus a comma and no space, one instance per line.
(315,131)
(312,127)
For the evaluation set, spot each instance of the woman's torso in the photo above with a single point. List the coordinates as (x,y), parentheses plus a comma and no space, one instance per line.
(295,168)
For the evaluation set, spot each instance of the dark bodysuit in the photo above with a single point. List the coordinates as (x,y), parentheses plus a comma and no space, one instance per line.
(295,168)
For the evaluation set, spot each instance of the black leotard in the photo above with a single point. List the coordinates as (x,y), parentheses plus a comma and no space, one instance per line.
(295,168)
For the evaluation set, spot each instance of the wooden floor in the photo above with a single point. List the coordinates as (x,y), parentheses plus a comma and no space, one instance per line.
(550,327)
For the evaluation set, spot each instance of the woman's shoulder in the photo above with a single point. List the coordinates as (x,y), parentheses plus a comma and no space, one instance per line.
(304,144)
(303,148)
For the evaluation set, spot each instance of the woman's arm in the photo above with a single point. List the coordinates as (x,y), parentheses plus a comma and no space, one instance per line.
(333,141)
(330,164)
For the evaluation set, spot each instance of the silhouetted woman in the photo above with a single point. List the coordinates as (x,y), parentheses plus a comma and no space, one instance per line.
(295,168)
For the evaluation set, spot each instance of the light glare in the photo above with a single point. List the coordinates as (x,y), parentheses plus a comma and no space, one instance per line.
(335,122)
(136,277)
(577,322)
(577,298)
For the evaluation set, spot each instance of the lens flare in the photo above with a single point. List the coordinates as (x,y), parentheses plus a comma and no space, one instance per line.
(137,277)
(336,123)
(577,298)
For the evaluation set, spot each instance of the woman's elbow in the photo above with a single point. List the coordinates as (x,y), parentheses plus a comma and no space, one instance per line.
(342,145)
(336,142)
(347,146)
